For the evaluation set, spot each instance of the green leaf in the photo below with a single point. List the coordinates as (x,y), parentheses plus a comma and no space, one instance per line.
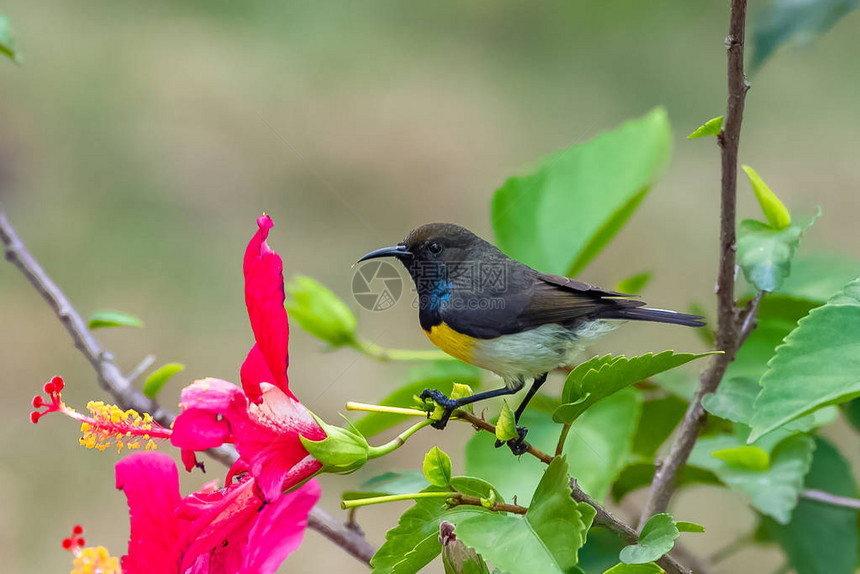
(600,551)
(414,542)
(559,217)
(456,558)
(402,482)
(319,311)
(547,539)
(774,491)
(634,284)
(156,380)
(647,568)
(512,477)
(764,254)
(659,418)
(684,526)
(773,208)
(794,20)
(818,364)
(437,467)
(734,401)
(506,426)
(851,411)
(598,446)
(818,276)
(656,539)
(460,391)
(822,538)
(7,40)
(639,474)
(601,238)
(101,319)
(599,442)
(598,378)
(440,375)
(710,128)
(778,315)
(744,457)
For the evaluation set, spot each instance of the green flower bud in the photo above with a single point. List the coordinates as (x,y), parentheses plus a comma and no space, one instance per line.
(343,451)
(506,426)
(319,311)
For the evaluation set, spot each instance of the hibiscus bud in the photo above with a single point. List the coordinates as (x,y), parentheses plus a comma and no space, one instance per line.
(343,451)
(320,312)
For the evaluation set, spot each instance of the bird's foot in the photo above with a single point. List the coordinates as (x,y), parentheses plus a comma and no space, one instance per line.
(448,406)
(517,445)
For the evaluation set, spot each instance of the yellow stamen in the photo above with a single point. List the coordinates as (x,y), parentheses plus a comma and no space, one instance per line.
(95,560)
(110,425)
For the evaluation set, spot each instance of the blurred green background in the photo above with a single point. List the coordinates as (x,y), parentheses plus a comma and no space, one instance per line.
(139,142)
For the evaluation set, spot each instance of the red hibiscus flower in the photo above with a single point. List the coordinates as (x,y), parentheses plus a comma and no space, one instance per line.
(266,421)
(227,530)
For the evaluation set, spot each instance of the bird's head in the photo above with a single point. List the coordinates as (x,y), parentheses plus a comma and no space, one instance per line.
(440,246)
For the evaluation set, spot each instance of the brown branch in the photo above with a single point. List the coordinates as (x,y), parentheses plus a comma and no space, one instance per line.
(464,499)
(732,330)
(481,424)
(603,517)
(835,500)
(112,380)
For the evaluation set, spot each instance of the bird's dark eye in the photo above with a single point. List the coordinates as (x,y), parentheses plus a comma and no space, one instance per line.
(434,247)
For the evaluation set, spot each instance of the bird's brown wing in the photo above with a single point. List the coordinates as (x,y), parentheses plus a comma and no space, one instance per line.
(556,299)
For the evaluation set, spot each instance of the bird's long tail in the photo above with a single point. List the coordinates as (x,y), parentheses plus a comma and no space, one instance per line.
(654,315)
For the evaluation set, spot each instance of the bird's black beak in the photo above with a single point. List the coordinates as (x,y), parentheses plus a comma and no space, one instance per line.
(393,251)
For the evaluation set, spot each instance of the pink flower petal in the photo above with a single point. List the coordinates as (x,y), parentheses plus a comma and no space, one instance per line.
(189,460)
(245,536)
(264,298)
(150,482)
(198,430)
(255,371)
(278,530)
(215,518)
(269,442)
(208,405)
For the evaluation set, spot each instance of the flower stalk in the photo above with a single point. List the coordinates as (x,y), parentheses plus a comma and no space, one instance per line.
(397,442)
(347,504)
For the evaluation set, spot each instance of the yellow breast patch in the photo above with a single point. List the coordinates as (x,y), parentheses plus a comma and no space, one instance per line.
(455,344)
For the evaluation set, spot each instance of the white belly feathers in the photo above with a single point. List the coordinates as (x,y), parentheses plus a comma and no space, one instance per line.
(531,353)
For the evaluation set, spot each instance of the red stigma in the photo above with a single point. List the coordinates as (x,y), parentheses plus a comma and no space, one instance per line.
(75,540)
(51,403)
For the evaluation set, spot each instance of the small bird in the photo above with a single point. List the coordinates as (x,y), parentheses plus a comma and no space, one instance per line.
(486,309)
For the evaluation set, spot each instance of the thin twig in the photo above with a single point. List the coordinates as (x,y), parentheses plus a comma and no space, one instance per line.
(835,500)
(482,424)
(732,548)
(141,368)
(112,380)
(562,438)
(731,331)
(464,499)
(680,551)
(603,517)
